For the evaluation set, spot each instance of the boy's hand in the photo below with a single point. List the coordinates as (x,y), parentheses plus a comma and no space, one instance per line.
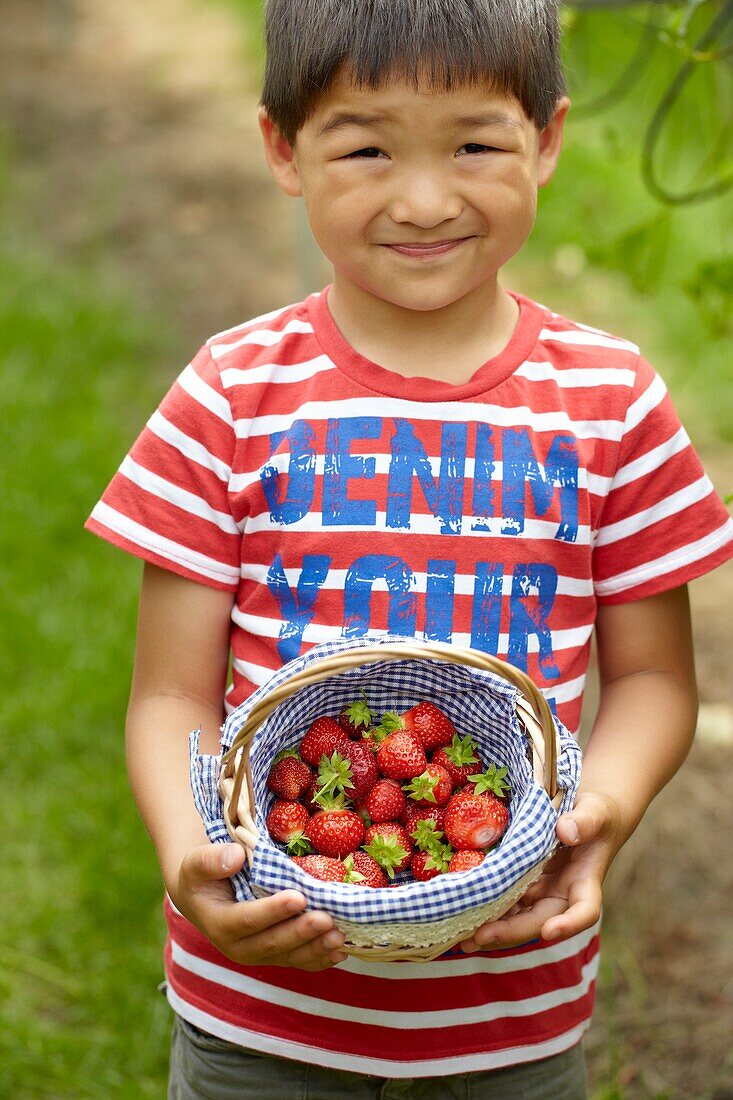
(272,931)
(567,897)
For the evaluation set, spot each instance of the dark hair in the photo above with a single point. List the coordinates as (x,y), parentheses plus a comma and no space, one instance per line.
(512,44)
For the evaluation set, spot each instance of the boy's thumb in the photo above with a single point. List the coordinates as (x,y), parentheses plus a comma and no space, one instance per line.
(588,817)
(581,824)
(211,862)
(231,857)
(567,830)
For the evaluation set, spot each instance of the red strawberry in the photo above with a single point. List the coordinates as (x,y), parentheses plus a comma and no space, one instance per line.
(309,794)
(289,776)
(286,822)
(401,756)
(459,759)
(413,814)
(371,874)
(335,832)
(430,863)
(474,821)
(433,787)
(389,845)
(356,718)
(426,722)
(466,859)
(385,801)
(322,738)
(363,768)
(328,870)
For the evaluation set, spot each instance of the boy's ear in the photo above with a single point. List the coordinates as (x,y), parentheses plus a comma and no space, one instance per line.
(550,143)
(280,156)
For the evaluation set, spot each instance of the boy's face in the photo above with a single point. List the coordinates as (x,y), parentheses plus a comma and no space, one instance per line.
(418,198)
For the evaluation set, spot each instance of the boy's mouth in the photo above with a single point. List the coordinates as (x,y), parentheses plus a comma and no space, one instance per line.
(425,251)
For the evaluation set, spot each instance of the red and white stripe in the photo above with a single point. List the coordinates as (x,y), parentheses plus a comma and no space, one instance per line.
(456,1015)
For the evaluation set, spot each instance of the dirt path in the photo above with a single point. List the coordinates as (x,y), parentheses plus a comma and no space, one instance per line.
(132,126)
(140,120)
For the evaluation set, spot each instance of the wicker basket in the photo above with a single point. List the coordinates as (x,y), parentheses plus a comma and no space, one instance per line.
(397,938)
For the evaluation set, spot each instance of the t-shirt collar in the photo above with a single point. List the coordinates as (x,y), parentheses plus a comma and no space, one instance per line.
(378,379)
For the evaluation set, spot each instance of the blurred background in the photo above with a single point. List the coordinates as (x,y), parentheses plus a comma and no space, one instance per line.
(137,220)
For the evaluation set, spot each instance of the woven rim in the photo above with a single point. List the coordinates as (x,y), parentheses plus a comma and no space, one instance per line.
(533,712)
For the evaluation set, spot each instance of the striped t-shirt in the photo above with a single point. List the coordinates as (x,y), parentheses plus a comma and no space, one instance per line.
(334,498)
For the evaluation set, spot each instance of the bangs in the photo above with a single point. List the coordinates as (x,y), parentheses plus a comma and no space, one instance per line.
(512,45)
(439,46)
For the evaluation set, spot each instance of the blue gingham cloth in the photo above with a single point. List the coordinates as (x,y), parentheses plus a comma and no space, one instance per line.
(477,702)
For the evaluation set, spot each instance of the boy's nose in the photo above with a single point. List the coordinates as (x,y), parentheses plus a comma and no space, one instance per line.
(425,201)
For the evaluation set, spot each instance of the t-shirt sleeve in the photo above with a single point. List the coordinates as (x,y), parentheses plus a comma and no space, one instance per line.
(169,503)
(662,523)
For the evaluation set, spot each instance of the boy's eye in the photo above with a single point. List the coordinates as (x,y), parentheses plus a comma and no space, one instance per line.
(368,151)
(474,147)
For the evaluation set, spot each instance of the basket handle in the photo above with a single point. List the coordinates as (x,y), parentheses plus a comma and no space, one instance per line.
(533,709)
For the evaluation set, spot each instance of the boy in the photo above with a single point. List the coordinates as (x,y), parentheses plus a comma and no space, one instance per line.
(413,449)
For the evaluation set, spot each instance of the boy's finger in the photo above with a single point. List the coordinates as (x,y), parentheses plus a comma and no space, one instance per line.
(288,936)
(583,911)
(211,862)
(592,816)
(520,928)
(581,824)
(249,918)
(319,954)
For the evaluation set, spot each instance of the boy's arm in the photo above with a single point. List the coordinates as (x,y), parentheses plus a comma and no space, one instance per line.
(642,733)
(181,663)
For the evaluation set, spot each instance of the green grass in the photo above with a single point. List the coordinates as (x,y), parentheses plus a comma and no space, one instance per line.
(82,930)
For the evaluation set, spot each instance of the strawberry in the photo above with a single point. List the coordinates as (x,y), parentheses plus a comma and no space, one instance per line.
(425,721)
(322,737)
(289,776)
(322,867)
(401,756)
(433,787)
(385,801)
(389,845)
(367,869)
(465,860)
(363,768)
(310,793)
(459,759)
(430,863)
(335,831)
(413,814)
(286,822)
(475,821)
(356,718)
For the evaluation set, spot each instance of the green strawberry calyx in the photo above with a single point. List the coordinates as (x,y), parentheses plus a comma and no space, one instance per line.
(426,836)
(352,875)
(359,713)
(298,844)
(285,753)
(391,723)
(329,800)
(334,776)
(462,751)
(440,857)
(388,853)
(492,781)
(422,787)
